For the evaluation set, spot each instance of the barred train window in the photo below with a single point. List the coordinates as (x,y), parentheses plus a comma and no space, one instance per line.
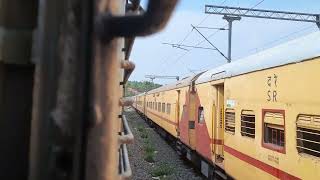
(248,123)
(308,134)
(163,107)
(159,106)
(230,121)
(168,108)
(273,124)
(200,115)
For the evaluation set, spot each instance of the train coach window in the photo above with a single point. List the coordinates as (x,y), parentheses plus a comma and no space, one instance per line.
(248,123)
(163,107)
(229,121)
(273,130)
(308,134)
(200,115)
(159,107)
(168,108)
(155,106)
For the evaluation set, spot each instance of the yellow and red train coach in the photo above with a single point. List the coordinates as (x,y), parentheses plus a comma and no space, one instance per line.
(255,118)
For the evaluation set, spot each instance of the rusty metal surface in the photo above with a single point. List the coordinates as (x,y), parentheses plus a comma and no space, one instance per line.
(102,146)
(58,97)
(44,88)
(61,135)
(134,9)
(127,136)
(153,20)
(128,66)
(103,141)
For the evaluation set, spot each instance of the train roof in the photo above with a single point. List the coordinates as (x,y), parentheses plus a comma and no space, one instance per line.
(178,84)
(294,51)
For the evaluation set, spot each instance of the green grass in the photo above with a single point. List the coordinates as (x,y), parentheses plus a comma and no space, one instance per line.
(149,148)
(144,135)
(141,128)
(162,170)
(149,157)
(146,141)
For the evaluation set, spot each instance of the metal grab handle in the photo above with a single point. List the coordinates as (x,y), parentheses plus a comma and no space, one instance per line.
(153,20)
(124,163)
(126,137)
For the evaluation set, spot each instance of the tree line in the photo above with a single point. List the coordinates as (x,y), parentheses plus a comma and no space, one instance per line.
(136,87)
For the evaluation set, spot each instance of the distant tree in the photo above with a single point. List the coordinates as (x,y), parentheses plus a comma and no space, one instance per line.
(136,87)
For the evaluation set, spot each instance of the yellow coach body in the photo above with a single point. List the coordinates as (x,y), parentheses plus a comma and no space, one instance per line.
(293,89)
(161,110)
(255,118)
(296,91)
(164,106)
(271,112)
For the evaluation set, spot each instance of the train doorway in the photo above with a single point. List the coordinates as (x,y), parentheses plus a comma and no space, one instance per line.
(178,113)
(192,118)
(218,122)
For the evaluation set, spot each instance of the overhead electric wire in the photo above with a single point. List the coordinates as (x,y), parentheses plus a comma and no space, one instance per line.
(199,43)
(212,28)
(165,60)
(279,39)
(209,42)
(202,21)
(265,45)
(180,57)
(258,4)
(188,46)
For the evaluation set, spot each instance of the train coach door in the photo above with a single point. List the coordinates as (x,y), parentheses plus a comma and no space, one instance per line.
(144,105)
(218,118)
(177,115)
(192,118)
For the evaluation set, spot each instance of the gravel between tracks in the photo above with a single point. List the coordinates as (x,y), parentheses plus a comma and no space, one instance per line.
(165,157)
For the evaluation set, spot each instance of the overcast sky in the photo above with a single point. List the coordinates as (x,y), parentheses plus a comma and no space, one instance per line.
(249,36)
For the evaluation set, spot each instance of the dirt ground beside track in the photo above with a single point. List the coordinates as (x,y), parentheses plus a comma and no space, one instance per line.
(151,157)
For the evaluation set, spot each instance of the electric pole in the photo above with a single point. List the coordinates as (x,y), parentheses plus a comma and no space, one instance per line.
(231,14)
